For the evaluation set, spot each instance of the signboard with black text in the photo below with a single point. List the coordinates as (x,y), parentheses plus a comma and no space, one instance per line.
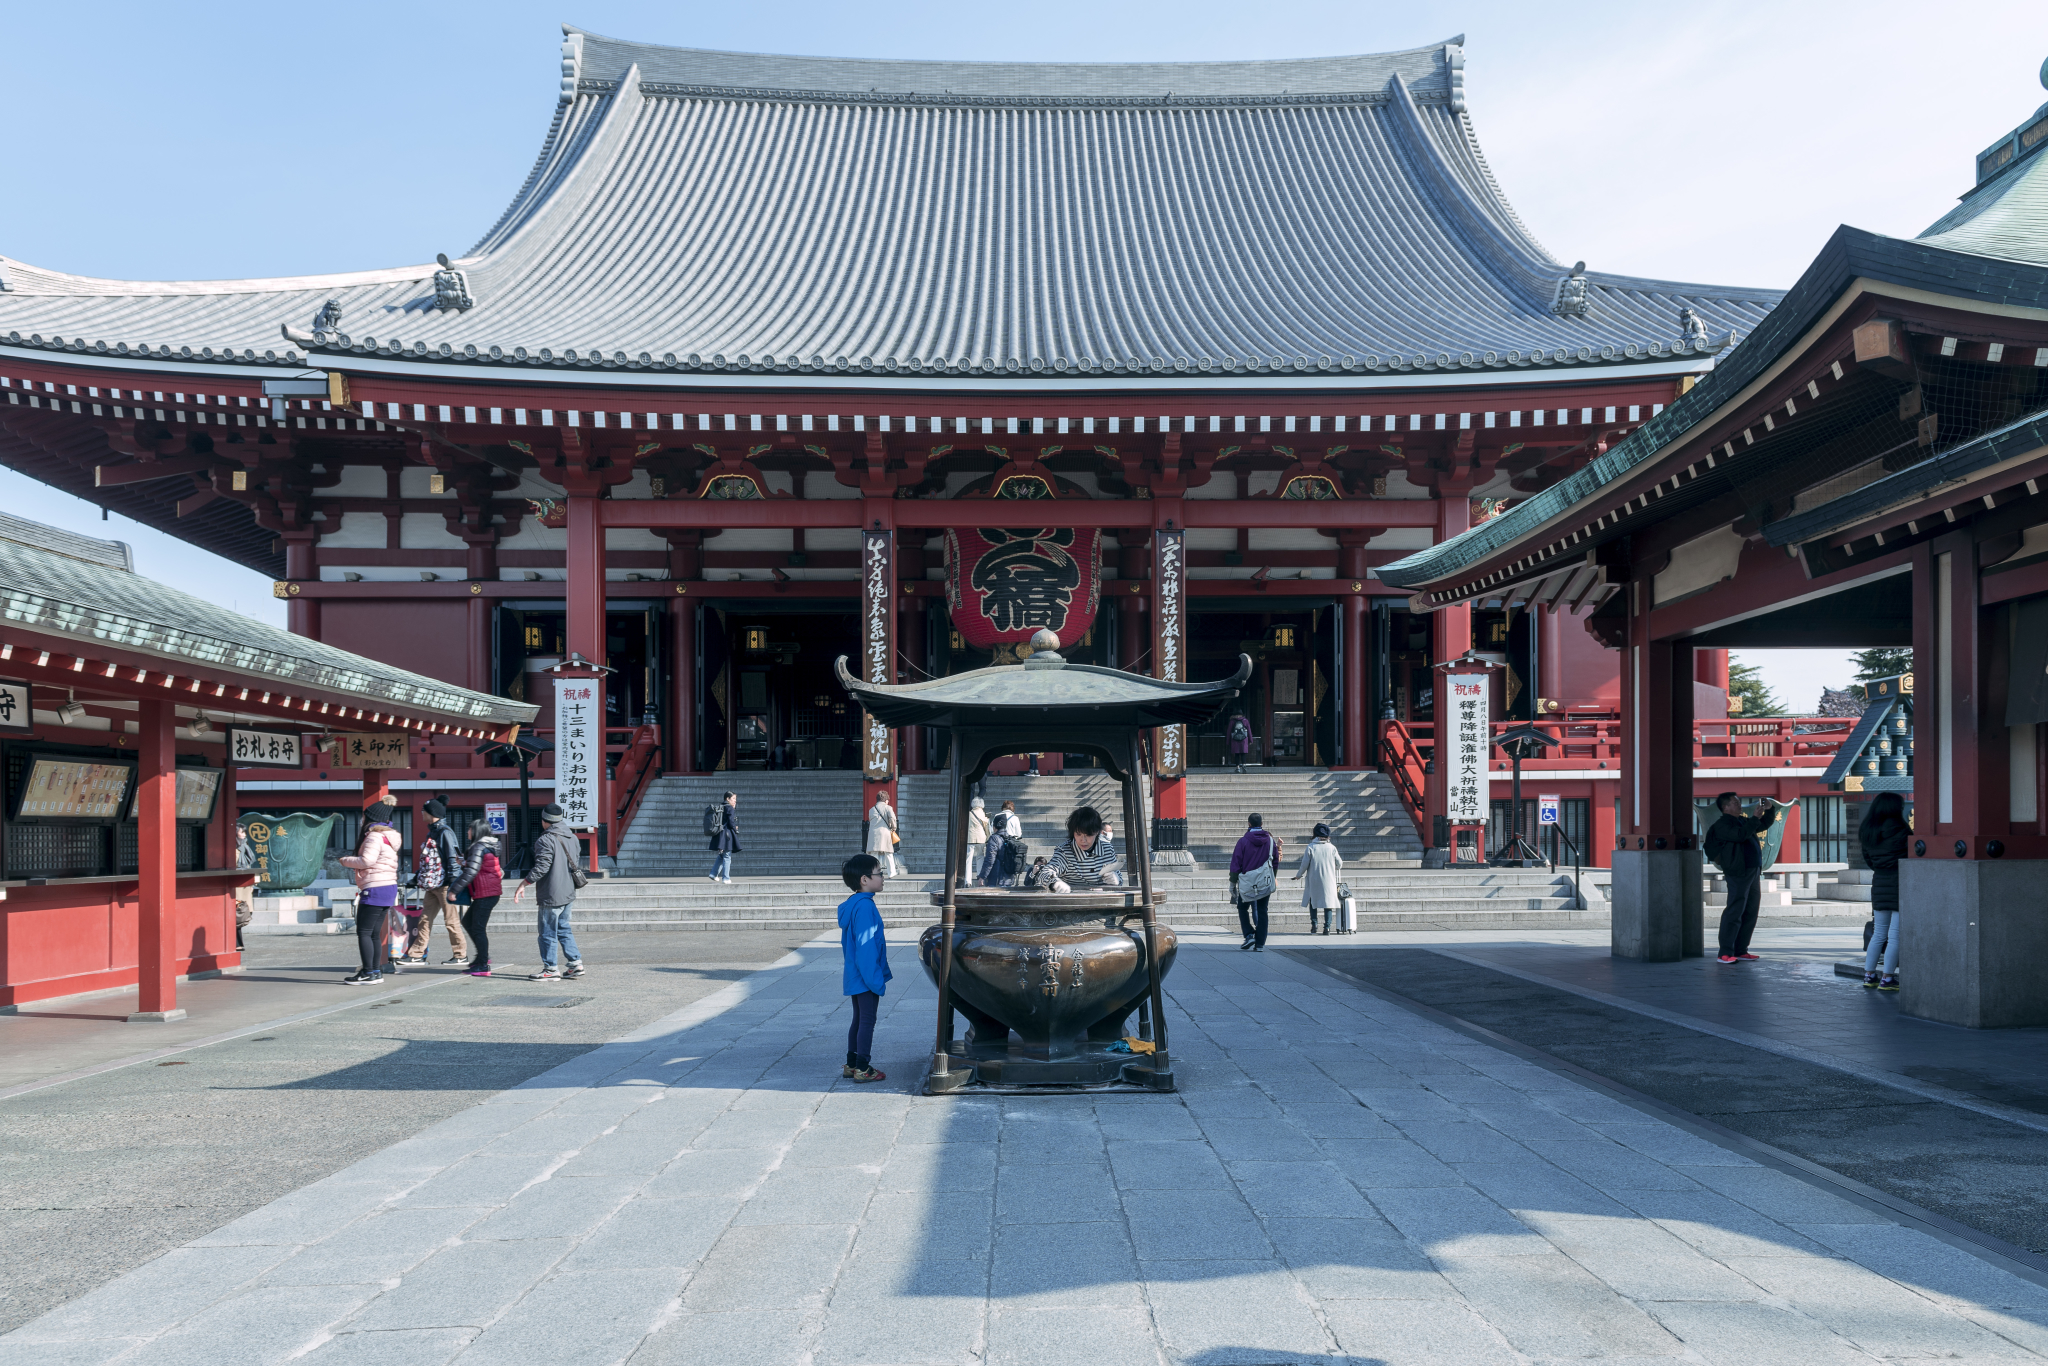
(265,748)
(1468,787)
(1169,639)
(877,647)
(16,706)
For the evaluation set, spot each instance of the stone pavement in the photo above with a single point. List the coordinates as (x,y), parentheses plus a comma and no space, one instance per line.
(1339,1179)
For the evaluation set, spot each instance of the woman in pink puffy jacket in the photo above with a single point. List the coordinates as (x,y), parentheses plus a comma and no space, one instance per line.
(375,863)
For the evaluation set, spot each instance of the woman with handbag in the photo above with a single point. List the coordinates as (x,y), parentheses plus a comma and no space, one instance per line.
(1254,871)
(882,834)
(375,865)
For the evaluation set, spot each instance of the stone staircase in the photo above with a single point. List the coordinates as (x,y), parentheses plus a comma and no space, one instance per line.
(1367,822)
(1387,898)
(800,823)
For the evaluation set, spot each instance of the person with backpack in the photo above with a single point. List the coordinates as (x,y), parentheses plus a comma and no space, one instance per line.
(1254,872)
(1883,836)
(1006,848)
(375,865)
(435,864)
(556,879)
(481,878)
(1240,740)
(722,829)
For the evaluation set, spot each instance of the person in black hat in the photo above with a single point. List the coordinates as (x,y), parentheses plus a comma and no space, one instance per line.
(554,855)
(375,864)
(437,863)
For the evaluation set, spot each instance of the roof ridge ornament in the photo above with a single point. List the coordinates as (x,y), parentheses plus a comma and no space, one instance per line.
(1454,72)
(572,63)
(1571,294)
(1691,328)
(451,287)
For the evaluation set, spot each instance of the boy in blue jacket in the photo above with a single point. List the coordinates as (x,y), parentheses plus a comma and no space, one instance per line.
(866,953)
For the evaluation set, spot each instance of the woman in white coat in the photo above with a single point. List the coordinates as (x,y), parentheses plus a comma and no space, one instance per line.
(882,836)
(1321,866)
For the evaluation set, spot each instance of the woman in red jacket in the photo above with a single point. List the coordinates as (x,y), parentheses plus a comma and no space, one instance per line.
(482,879)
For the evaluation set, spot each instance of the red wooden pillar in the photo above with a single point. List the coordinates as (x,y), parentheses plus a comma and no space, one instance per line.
(910,653)
(1657,892)
(682,712)
(478,626)
(156,816)
(1356,717)
(583,602)
(1450,631)
(1711,667)
(1550,628)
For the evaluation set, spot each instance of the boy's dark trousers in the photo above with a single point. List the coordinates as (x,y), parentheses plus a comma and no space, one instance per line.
(1738,921)
(860,1036)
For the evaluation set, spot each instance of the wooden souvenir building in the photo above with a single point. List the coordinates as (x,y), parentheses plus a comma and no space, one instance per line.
(124,706)
(773,359)
(1867,468)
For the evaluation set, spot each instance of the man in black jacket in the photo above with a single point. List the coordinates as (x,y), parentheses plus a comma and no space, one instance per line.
(439,860)
(1732,844)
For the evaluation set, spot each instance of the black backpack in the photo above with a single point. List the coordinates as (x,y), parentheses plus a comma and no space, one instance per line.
(714,818)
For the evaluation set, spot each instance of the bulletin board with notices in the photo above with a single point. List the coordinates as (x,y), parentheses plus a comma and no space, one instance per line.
(53,788)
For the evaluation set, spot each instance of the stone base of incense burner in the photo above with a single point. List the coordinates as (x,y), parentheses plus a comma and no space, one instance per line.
(1047,984)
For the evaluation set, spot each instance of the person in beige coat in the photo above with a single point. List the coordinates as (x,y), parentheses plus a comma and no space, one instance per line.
(1321,866)
(882,835)
(977,842)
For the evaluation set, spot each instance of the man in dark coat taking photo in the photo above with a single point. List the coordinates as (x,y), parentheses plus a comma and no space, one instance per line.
(1732,844)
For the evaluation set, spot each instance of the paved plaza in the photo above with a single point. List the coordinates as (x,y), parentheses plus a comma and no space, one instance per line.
(1338,1179)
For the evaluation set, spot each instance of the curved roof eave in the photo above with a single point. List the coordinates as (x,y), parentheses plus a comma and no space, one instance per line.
(1850,254)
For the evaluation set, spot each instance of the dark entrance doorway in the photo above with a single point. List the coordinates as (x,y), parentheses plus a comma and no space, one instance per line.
(1290,701)
(530,638)
(765,690)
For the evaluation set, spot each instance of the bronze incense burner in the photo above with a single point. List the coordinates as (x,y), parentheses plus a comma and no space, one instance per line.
(1047,981)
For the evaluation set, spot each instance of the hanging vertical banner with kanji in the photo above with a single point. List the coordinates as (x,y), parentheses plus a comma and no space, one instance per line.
(579,738)
(1169,640)
(1002,585)
(877,647)
(1468,792)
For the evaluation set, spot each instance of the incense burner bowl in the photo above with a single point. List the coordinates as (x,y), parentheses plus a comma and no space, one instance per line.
(1047,982)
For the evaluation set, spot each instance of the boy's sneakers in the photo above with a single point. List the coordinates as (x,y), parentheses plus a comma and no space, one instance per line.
(1729,958)
(868,1074)
(458,961)
(1888,984)
(573,971)
(1869,980)
(1746,956)
(547,974)
(361,979)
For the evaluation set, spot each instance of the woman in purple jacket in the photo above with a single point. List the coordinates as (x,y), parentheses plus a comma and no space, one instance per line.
(1255,850)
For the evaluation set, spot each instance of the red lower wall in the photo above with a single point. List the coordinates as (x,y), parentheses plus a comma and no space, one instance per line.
(65,938)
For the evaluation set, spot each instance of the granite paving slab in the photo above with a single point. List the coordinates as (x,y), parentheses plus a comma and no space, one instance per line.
(709,1188)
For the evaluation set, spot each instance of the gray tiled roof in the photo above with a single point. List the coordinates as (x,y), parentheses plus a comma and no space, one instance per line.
(737,213)
(45,587)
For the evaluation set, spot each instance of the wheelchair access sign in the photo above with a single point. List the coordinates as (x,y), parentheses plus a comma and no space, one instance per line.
(1546,809)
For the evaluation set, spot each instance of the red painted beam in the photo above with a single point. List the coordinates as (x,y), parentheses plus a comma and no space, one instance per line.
(844,512)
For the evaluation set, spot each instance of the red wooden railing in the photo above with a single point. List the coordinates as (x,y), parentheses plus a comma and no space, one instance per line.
(1406,749)
(635,760)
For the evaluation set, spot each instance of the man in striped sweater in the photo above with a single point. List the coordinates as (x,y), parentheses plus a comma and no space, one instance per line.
(1086,859)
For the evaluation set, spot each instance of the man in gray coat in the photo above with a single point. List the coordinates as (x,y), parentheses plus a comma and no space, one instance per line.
(554,855)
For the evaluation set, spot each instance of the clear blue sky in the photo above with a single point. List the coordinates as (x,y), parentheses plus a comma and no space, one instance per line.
(1718,143)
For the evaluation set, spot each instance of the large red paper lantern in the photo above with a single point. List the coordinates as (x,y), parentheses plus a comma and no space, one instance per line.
(1003,585)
